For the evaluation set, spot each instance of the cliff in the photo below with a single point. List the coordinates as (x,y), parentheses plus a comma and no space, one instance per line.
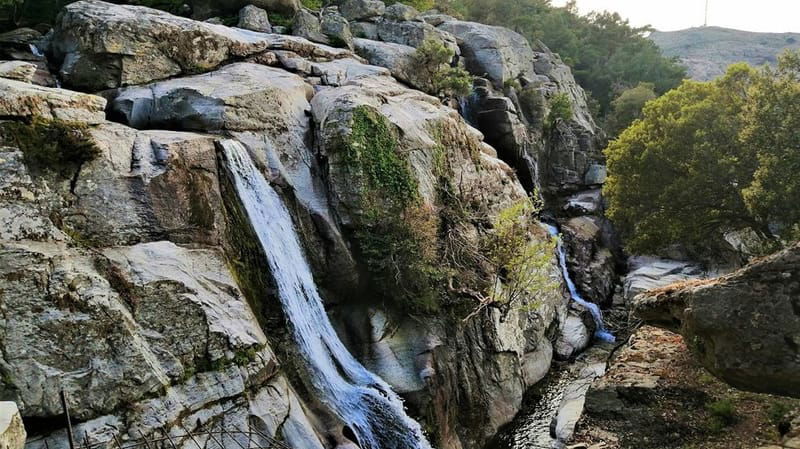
(131,279)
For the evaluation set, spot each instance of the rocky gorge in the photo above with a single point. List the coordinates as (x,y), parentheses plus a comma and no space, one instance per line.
(283,233)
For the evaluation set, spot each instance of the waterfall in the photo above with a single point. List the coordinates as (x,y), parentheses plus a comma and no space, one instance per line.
(601,333)
(360,398)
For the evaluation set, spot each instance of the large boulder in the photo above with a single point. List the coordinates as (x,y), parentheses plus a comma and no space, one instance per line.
(591,260)
(400,12)
(100,45)
(495,52)
(361,9)
(254,18)
(336,28)
(414,34)
(743,327)
(649,273)
(238,97)
(398,58)
(203,9)
(20,99)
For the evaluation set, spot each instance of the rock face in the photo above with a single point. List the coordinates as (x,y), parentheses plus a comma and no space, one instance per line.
(12,432)
(742,327)
(100,46)
(143,253)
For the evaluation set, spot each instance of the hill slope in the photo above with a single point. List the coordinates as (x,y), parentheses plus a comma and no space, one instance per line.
(707,51)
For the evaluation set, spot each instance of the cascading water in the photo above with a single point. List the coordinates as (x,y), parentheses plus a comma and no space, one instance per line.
(601,333)
(361,399)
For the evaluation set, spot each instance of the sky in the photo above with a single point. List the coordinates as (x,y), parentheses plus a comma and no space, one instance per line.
(668,15)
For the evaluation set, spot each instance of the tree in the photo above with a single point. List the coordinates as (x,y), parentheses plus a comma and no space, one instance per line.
(627,107)
(771,124)
(676,176)
(432,60)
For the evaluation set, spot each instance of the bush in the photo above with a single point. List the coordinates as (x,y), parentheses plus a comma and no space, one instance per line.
(627,107)
(433,59)
(779,415)
(56,146)
(723,414)
(560,108)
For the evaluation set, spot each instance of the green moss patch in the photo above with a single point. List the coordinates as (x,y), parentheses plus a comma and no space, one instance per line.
(395,232)
(54,146)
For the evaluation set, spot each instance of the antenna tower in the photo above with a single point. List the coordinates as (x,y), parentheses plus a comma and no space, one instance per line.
(705,22)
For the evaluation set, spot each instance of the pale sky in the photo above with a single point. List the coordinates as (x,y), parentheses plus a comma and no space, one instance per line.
(669,15)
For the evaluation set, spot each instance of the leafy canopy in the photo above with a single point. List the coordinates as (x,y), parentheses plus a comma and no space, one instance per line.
(709,158)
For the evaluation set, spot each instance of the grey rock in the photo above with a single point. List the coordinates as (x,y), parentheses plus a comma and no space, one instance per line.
(647,273)
(435,18)
(400,12)
(364,30)
(277,29)
(306,24)
(255,19)
(591,260)
(12,432)
(18,70)
(19,99)
(202,9)
(495,52)
(399,59)
(336,28)
(589,202)
(414,34)
(417,355)
(595,175)
(573,337)
(742,327)
(21,44)
(214,21)
(361,9)
(101,45)
(238,97)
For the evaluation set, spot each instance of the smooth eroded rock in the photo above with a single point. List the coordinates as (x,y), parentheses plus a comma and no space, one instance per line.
(743,327)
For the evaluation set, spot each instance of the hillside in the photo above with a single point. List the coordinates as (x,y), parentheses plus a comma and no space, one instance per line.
(707,51)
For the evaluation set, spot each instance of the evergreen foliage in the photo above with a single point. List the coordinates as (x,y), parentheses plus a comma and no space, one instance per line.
(709,158)
(433,59)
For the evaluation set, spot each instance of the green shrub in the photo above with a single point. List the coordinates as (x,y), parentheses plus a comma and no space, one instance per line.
(433,59)
(723,414)
(779,415)
(560,108)
(56,146)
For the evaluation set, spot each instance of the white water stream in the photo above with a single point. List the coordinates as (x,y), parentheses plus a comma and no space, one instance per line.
(360,398)
(601,333)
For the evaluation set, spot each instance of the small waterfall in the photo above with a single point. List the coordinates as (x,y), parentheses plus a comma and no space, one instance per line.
(361,399)
(601,333)
(35,50)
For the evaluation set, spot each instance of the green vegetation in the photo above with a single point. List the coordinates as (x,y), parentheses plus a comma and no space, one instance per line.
(779,414)
(560,109)
(433,59)
(709,158)
(54,146)
(628,107)
(521,263)
(316,5)
(723,414)
(606,53)
(395,233)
